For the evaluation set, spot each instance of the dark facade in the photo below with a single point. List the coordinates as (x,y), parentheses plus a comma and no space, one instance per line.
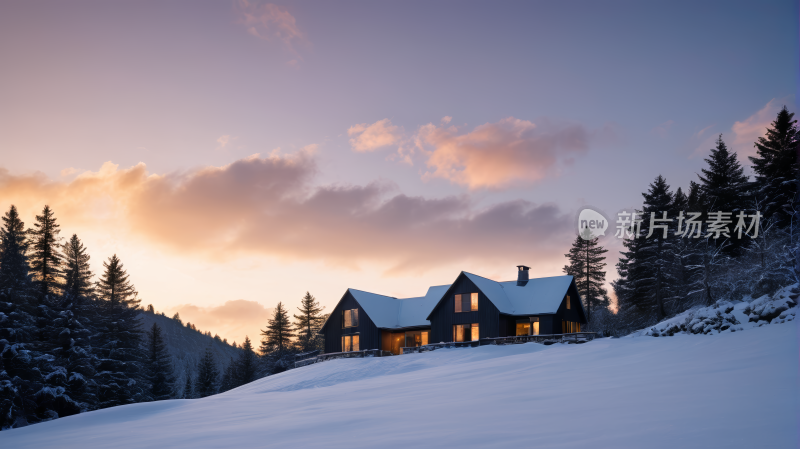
(444,316)
(368,334)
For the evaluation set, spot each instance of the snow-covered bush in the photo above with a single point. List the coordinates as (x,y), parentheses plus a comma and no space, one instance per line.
(779,307)
(706,320)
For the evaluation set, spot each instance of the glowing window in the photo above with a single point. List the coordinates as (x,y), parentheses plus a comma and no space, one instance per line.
(568,301)
(466,332)
(523,328)
(466,302)
(350,318)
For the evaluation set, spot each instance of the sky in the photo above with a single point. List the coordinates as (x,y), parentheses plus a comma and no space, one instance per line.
(237,154)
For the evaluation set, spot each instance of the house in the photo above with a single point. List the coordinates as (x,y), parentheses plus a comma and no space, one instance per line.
(469,309)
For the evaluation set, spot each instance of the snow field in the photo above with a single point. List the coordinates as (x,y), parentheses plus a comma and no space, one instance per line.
(724,390)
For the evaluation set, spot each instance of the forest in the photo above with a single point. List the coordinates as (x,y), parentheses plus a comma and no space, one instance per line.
(664,273)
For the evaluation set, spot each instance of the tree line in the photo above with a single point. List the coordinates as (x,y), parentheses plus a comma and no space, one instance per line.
(664,273)
(70,344)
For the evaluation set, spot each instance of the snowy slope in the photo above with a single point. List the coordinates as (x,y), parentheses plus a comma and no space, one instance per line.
(736,390)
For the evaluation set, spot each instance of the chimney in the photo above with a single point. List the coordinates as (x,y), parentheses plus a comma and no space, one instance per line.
(522,275)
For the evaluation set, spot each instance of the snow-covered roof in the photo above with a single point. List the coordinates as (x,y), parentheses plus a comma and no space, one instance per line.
(538,296)
(389,312)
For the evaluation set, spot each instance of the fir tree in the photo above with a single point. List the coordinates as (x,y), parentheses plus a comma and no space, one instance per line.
(188,387)
(207,382)
(45,258)
(119,350)
(776,168)
(279,332)
(247,365)
(657,252)
(158,366)
(20,377)
(308,323)
(586,265)
(229,379)
(77,272)
(723,182)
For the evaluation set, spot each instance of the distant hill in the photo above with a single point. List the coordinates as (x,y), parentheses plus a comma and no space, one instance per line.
(187,345)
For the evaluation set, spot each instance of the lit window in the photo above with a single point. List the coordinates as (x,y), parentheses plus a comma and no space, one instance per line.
(534,326)
(416,338)
(523,327)
(466,302)
(350,318)
(568,301)
(350,343)
(466,332)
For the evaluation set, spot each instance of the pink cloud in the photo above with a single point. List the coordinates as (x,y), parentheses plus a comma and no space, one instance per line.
(234,319)
(380,134)
(269,206)
(496,155)
(269,22)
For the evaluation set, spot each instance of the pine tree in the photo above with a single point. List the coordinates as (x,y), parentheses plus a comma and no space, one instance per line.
(158,366)
(247,365)
(20,377)
(45,259)
(279,332)
(776,168)
(308,323)
(119,350)
(229,379)
(657,252)
(77,272)
(587,266)
(207,382)
(723,183)
(188,387)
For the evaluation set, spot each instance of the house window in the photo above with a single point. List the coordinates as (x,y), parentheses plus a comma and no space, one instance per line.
(467,302)
(568,302)
(535,326)
(523,327)
(416,338)
(570,327)
(350,343)
(466,332)
(350,318)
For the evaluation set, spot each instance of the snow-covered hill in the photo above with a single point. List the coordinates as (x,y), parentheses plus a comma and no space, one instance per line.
(733,390)
(186,346)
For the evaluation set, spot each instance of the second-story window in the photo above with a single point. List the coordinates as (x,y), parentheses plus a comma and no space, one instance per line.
(350,318)
(467,302)
(568,302)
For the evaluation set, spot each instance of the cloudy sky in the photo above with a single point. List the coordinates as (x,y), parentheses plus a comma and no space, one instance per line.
(238,154)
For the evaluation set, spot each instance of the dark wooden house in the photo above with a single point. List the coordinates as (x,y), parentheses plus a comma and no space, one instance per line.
(471,308)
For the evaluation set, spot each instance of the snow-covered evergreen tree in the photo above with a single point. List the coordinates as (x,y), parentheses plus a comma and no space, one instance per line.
(308,323)
(45,257)
(587,266)
(158,366)
(776,168)
(120,372)
(207,382)
(279,333)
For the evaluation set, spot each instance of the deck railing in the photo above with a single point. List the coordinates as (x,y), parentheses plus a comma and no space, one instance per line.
(310,358)
(341,355)
(547,339)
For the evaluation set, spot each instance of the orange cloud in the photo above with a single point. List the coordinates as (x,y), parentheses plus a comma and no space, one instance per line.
(377,135)
(269,21)
(499,154)
(269,206)
(234,319)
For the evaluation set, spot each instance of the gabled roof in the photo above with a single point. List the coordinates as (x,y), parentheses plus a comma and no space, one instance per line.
(539,296)
(389,312)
